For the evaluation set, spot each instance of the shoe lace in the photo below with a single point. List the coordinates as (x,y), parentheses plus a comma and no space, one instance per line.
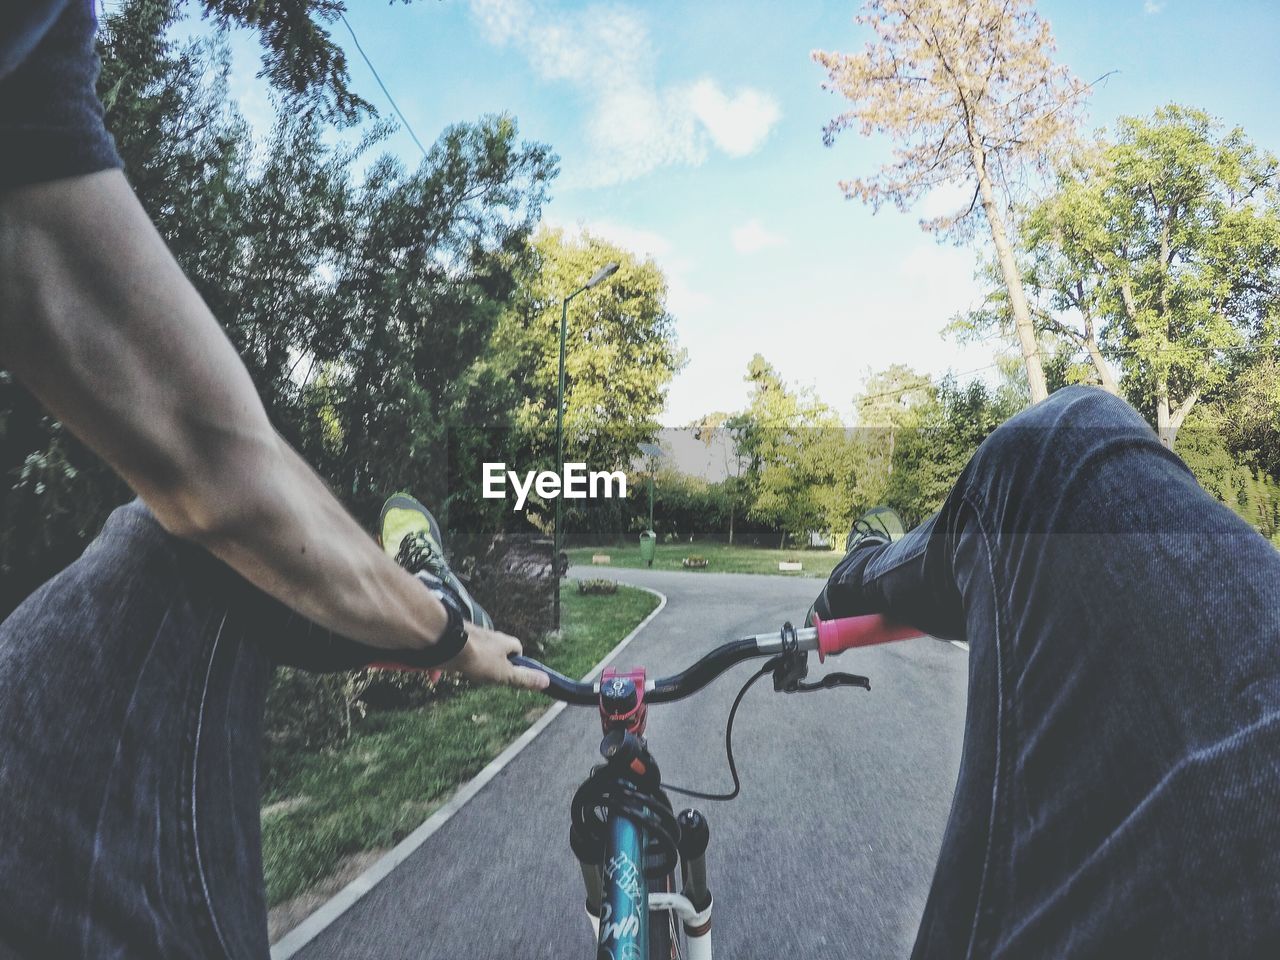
(863,528)
(417,553)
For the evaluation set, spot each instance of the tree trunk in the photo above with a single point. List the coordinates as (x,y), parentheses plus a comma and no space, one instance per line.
(1162,413)
(1100,364)
(782,542)
(1090,340)
(1169,419)
(731,524)
(1176,417)
(1022,323)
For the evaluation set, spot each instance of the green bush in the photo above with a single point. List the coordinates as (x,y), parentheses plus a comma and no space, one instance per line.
(307,711)
(510,576)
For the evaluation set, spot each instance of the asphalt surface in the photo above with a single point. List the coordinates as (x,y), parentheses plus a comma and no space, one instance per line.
(828,852)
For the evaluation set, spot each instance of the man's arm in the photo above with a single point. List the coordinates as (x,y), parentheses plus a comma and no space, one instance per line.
(99,322)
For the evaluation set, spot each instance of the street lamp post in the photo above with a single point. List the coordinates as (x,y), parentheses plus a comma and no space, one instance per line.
(599,277)
(649,539)
(654,452)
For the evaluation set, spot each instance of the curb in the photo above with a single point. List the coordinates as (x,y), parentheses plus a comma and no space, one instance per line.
(347,897)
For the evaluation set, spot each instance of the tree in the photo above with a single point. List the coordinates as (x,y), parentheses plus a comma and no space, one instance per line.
(1064,307)
(723,429)
(620,351)
(420,281)
(1205,446)
(1073,304)
(1250,405)
(798,455)
(969,91)
(364,311)
(1169,238)
(300,58)
(950,429)
(892,403)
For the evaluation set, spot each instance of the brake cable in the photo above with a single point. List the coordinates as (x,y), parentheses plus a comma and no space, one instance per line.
(788,669)
(728,745)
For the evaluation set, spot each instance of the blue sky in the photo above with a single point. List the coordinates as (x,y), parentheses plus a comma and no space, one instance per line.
(691,131)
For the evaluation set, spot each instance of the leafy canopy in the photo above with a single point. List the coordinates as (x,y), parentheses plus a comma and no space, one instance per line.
(799,469)
(1168,237)
(953,83)
(620,350)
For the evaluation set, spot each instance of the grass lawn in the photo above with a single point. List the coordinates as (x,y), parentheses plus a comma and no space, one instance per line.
(398,767)
(723,558)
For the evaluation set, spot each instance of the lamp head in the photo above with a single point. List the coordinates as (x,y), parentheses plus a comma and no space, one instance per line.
(601,275)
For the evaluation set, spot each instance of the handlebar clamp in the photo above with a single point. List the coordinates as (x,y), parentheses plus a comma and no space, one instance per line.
(792,665)
(790,642)
(622,703)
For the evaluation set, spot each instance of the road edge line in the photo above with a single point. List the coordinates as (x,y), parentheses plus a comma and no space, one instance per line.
(342,901)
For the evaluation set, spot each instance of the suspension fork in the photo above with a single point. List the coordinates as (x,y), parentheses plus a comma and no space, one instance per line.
(624,904)
(692,906)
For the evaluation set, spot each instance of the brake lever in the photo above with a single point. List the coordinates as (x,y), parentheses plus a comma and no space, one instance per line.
(790,669)
(833,680)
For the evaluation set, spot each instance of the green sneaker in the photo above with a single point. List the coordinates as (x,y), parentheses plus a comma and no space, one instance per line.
(878,523)
(403,515)
(411,536)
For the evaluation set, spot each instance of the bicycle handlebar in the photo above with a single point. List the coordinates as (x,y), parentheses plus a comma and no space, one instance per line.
(573,692)
(826,637)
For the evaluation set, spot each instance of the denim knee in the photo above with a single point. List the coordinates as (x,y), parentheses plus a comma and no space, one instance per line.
(1070,421)
(1022,471)
(1086,406)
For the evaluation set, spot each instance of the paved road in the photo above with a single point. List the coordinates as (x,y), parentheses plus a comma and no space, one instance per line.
(828,853)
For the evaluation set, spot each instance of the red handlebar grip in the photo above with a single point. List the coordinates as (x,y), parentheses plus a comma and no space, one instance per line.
(835,636)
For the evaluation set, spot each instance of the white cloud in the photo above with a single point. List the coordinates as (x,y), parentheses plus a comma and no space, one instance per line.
(634,123)
(1152,6)
(828,321)
(940,279)
(753,236)
(738,125)
(684,301)
(945,200)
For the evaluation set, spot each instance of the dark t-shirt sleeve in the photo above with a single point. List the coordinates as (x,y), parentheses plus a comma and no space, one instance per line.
(50,116)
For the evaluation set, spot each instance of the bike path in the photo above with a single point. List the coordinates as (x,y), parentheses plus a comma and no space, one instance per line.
(828,852)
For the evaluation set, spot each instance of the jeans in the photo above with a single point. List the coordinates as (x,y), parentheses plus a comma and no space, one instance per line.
(1119,787)
(130,722)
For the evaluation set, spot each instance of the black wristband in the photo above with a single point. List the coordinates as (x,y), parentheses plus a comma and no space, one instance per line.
(450,642)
